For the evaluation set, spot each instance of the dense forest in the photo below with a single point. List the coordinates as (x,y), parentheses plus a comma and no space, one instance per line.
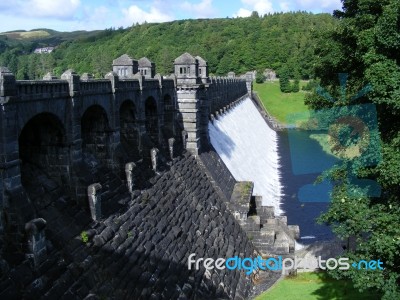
(232,44)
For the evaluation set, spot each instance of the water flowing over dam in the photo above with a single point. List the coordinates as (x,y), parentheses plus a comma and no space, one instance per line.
(249,148)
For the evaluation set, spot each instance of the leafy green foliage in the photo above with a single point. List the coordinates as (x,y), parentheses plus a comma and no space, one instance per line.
(84,237)
(366,45)
(284,82)
(296,86)
(239,45)
(311,85)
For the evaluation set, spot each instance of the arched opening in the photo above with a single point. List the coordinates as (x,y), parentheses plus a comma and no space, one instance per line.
(42,144)
(129,131)
(151,118)
(95,132)
(169,116)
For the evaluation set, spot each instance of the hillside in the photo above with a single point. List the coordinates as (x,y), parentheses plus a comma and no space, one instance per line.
(43,36)
(238,45)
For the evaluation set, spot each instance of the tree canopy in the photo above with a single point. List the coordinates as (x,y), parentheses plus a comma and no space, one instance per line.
(231,44)
(365,44)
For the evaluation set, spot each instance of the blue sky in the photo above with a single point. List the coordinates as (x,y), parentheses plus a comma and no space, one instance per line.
(68,15)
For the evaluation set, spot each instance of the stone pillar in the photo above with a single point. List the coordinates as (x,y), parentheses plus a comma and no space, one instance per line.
(94,195)
(249,83)
(184,138)
(129,176)
(73,81)
(10,175)
(154,158)
(190,116)
(114,135)
(171,143)
(37,252)
(8,86)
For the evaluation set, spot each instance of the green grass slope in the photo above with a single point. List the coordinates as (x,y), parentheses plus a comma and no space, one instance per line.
(279,104)
(314,286)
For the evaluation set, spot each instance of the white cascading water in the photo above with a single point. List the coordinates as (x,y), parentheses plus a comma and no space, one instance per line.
(249,148)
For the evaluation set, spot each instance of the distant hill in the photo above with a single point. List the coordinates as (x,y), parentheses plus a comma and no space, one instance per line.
(45,37)
(231,44)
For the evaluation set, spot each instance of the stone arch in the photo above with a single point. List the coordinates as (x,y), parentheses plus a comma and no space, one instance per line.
(129,128)
(43,143)
(169,115)
(151,114)
(95,131)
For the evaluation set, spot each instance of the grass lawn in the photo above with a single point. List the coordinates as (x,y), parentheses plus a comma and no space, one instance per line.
(315,286)
(279,104)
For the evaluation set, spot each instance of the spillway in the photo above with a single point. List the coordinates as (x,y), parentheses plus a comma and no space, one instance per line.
(249,148)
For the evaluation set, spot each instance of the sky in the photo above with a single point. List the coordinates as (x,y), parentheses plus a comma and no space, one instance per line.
(70,15)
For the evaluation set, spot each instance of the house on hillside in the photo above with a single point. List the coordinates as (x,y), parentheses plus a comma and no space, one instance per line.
(44,50)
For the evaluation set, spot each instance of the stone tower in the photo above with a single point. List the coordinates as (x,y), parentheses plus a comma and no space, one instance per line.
(125,66)
(147,68)
(187,70)
(192,101)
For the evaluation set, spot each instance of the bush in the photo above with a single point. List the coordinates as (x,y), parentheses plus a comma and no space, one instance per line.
(312,84)
(296,86)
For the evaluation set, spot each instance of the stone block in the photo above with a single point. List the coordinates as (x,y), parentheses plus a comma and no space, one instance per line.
(37,251)
(94,195)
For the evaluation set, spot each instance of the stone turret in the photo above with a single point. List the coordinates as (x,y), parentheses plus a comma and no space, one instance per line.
(191,100)
(249,83)
(187,69)
(147,68)
(203,69)
(8,85)
(125,66)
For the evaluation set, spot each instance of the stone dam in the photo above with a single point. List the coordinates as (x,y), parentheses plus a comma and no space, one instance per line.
(108,185)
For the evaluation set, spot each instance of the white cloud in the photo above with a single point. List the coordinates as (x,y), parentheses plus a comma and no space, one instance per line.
(242,13)
(135,14)
(57,9)
(203,9)
(261,6)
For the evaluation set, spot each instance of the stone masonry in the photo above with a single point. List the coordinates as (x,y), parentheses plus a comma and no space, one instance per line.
(108,185)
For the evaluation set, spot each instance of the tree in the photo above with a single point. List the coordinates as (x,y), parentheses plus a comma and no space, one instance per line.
(284,82)
(296,82)
(254,14)
(366,46)
(238,45)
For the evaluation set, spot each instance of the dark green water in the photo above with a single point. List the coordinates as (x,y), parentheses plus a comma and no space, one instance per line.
(302,160)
